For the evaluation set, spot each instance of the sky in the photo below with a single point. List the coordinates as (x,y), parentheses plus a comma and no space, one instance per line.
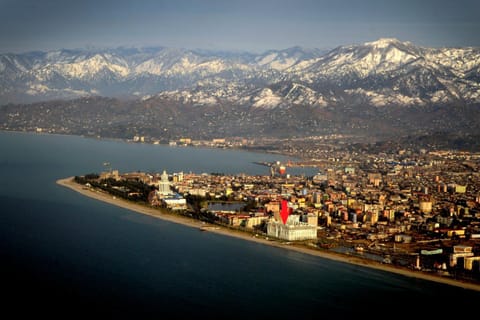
(234,25)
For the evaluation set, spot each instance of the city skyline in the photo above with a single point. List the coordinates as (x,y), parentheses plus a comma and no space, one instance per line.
(254,26)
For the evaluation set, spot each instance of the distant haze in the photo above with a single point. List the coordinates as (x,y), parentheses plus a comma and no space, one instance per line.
(246,25)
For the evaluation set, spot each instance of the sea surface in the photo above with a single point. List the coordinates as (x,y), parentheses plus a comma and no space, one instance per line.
(64,255)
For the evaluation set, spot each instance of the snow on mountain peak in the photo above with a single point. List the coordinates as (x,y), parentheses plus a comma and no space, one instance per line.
(87,67)
(382,42)
(266,99)
(378,57)
(386,70)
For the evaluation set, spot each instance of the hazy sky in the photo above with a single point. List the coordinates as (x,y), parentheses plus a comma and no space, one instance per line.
(245,25)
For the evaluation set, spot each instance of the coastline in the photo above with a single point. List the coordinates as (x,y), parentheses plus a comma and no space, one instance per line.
(190,222)
(123,140)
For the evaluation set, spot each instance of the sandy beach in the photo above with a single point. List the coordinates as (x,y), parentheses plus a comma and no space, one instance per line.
(105,197)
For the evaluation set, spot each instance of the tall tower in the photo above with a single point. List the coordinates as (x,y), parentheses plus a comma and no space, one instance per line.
(164,184)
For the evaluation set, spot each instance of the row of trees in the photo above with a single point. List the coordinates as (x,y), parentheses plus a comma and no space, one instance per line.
(134,190)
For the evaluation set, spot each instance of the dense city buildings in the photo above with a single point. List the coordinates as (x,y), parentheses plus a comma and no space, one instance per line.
(415,209)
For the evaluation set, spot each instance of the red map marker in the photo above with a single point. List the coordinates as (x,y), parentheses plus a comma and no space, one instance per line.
(284,211)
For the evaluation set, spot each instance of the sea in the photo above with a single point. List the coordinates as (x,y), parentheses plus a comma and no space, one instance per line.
(63,255)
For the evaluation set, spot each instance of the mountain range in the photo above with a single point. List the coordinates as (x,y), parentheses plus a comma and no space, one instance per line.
(397,83)
(380,73)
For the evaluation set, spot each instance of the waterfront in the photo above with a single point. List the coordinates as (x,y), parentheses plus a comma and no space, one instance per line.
(61,248)
(363,259)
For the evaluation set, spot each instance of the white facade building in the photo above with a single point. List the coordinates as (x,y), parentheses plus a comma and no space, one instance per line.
(164,185)
(292,230)
(175,203)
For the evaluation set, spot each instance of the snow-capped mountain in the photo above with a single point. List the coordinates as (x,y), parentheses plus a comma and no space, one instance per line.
(379,73)
(388,71)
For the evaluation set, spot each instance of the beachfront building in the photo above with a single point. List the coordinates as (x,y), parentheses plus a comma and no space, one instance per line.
(292,230)
(175,202)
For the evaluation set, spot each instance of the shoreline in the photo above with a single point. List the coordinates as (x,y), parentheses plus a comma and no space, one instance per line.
(123,140)
(190,222)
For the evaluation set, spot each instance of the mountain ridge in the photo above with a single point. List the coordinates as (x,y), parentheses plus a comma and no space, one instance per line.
(384,89)
(380,73)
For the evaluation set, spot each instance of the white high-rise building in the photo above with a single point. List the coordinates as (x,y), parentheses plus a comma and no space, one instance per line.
(164,184)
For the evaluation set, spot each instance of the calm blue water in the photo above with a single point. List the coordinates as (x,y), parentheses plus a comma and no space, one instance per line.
(66,255)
